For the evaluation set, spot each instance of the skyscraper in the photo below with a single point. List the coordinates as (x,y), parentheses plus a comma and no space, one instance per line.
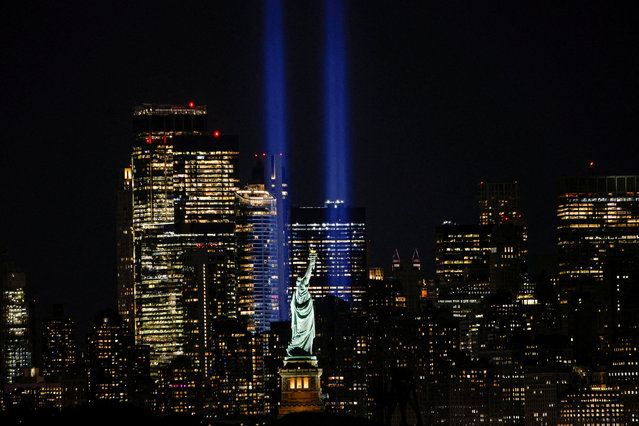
(15,343)
(341,345)
(58,344)
(208,295)
(258,280)
(152,158)
(276,183)
(124,248)
(462,259)
(408,276)
(499,208)
(597,227)
(184,183)
(116,367)
(237,373)
(498,202)
(179,388)
(340,242)
(595,214)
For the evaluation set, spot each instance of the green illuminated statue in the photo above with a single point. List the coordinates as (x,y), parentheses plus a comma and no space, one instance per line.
(302,314)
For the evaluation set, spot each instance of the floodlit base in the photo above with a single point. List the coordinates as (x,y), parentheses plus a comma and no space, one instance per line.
(300,385)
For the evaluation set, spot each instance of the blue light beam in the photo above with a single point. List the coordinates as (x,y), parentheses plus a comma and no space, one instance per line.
(336,146)
(274,78)
(336,104)
(275,126)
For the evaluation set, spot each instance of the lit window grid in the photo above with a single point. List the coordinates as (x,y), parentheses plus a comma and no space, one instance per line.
(589,226)
(58,346)
(159,291)
(15,320)
(258,283)
(341,259)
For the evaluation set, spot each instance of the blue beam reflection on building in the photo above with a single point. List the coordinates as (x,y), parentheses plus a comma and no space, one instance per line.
(276,134)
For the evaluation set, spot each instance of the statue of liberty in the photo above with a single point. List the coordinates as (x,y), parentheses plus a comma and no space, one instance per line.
(302,314)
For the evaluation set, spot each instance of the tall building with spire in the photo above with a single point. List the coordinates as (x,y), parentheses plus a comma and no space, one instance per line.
(407,274)
(276,183)
(183,190)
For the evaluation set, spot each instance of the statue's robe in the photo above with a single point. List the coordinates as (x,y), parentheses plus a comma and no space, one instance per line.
(302,321)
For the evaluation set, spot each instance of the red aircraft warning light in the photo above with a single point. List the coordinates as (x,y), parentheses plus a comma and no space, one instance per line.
(191,104)
(216,133)
(592,163)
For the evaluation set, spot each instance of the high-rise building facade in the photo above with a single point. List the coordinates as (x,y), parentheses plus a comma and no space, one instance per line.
(595,215)
(180,388)
(462,259)
(499,208)
(237,374)
(116,367)
(498,202)
(258,279)
(59,349)
(341,345)
(338,234)
(595,404)
(407,274)
(208,295)
(269,171)
(276,183)
(184,183)
(15,344)
(509,257)
(154,127)
(124,247)
(597,227)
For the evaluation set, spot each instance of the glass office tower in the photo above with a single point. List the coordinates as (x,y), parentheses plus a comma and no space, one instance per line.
(596,215)
(339,237)
(184,183)
(15,343)
(597,227)
(258,280)
(462,260)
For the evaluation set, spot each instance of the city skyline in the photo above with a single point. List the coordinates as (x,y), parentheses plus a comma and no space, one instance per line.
(442,97)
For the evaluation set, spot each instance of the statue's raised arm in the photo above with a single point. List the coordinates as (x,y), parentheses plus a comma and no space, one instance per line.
(302,314)
(312,257)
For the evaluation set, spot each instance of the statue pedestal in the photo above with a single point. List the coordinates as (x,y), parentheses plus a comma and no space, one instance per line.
(300,385)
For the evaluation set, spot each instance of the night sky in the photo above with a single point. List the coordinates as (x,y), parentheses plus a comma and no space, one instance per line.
(443,95)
